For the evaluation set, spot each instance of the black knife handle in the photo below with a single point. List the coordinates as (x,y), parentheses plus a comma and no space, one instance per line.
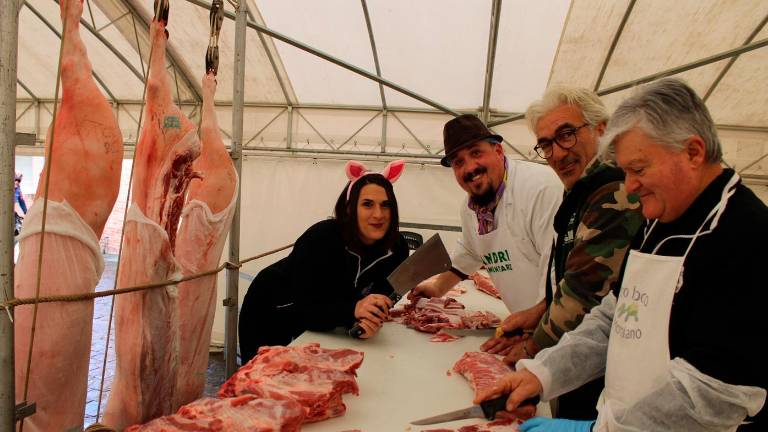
(492,406)
(356,331)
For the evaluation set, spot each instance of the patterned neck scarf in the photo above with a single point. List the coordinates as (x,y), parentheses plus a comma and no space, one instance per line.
(486,222)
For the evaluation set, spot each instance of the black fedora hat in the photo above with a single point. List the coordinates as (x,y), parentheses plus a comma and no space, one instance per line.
(461,132)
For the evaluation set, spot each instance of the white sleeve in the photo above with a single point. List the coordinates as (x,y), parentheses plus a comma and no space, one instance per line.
(586,346)
(688,400)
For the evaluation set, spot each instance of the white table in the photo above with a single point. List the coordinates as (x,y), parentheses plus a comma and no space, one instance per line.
(404,376)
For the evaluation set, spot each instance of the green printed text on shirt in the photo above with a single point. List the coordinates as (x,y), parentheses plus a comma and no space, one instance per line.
(498,261)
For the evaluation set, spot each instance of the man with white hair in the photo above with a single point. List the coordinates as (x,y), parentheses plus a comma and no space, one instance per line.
(677,341)
(594,224)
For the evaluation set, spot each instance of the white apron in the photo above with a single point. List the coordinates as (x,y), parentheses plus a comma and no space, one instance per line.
(516,278)
(638,348)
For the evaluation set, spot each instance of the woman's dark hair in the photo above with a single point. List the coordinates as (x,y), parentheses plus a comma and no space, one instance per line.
(346,213)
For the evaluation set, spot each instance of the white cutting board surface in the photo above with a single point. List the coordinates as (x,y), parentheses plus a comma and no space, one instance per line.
(404,376)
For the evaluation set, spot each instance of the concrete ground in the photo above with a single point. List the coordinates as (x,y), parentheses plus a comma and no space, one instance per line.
(102,306)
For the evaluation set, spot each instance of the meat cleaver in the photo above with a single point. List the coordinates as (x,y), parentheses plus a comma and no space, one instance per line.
(486,409)
(428,260)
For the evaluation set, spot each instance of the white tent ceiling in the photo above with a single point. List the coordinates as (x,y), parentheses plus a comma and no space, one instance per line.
(438,50)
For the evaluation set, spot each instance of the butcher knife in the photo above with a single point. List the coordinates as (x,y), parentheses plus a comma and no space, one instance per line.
(486,332)
(426,261)
(486,410)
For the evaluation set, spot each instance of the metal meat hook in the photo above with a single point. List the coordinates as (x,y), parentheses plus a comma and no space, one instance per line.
(212,54)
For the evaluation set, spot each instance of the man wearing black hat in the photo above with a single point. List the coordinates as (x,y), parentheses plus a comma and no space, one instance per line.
(506,220)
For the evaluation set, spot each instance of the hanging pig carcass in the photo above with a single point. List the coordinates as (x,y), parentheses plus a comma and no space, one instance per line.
(85,158)
(162,335)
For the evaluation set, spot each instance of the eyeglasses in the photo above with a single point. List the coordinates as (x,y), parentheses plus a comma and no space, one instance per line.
(566,139)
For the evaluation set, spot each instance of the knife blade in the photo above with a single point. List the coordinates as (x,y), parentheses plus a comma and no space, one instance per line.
(486,410)
(428,260)
(486,332)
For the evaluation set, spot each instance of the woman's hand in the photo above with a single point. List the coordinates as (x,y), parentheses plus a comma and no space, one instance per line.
(369,327)
(374,308)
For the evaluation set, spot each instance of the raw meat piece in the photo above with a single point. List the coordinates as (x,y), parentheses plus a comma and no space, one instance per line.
(442,336)
(501,425)
(86,159)
(313,376)
(241,414)
(482,370)
(205,224)
(274,357)
(485,284)
(432,315)
(147,322)
(481,320)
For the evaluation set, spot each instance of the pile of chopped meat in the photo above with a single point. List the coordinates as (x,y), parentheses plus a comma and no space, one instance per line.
(481,369)
(277,391)
(432,315)
(485,284)
(501,425)
(314,377)
(239,414)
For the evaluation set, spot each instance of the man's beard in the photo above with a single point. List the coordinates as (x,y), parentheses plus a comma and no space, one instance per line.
(484,198)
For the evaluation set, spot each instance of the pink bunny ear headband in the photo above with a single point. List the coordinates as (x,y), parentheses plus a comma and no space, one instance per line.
(356,170)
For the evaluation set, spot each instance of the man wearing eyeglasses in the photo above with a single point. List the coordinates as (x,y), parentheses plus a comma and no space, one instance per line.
(594,224)
(506,220)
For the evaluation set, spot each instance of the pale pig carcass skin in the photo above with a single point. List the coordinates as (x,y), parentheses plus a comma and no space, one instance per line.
(85,160)
(147,323)
(206,220)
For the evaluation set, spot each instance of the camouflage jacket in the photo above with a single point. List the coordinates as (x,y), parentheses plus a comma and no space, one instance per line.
(595,224)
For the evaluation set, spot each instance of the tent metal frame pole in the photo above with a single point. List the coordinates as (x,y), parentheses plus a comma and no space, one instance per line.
(673,71)
(375,52)
(24,111)
(315,129)
(360,129)
(9,34)
(407,129)
(233,275)
(26,89)
(289,133)
(490,60)
(256,135)
(325,56)
(614,42)
(58,34)
(252,17)
(110,23)
(388,156)
(734,52)
(371,108)
(384,116)
(728,66)
(756,129)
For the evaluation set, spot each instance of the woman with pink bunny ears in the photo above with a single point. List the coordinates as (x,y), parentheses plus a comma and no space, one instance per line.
(335,276)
